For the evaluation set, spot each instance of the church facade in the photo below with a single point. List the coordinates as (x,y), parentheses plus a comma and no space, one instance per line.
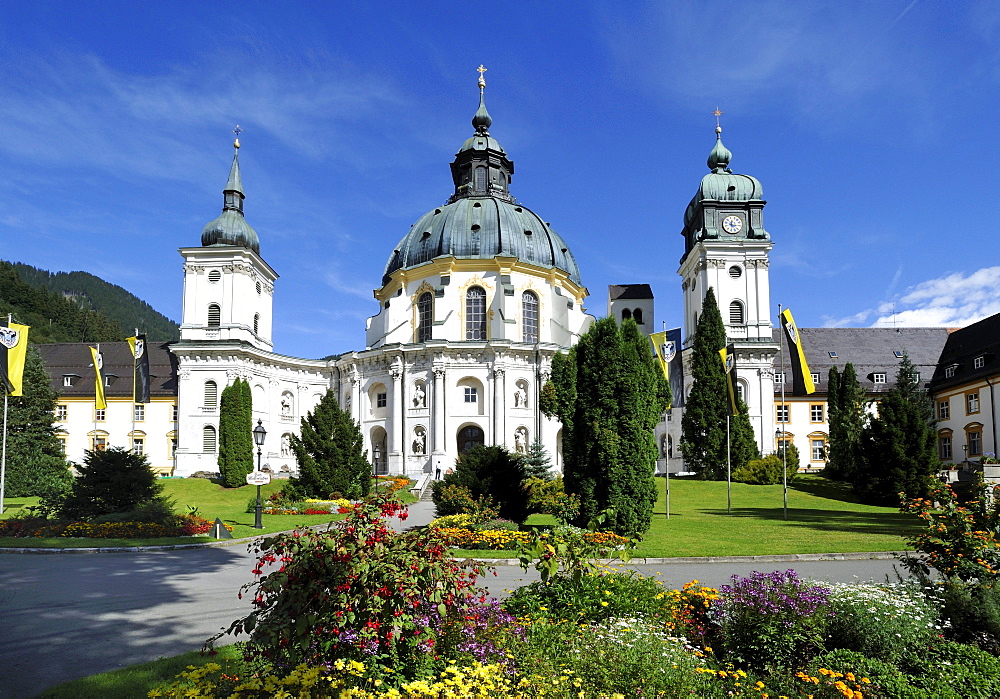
(474,301)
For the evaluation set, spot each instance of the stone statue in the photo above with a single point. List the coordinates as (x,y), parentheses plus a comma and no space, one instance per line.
(420,443)
(419,397)
(286,445)
(520,398)
(286,407)
(520,437)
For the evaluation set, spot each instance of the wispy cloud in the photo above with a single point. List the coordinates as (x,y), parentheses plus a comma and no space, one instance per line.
(954,300)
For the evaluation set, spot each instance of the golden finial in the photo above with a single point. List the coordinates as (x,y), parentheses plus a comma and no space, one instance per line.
(718,126)
(238,130)
(482,78)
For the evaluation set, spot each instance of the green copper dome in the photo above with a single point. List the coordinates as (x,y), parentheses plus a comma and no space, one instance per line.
(481,219)
(231,228)
(722,184)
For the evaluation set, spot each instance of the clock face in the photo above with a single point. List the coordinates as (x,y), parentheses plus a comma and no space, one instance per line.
(732,224)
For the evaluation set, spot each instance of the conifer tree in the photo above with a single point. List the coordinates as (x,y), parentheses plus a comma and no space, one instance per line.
(609,394)
(236,446)
(36,465)
(536,462)
(703,427)
(898,446)
(846,415)
(330,454)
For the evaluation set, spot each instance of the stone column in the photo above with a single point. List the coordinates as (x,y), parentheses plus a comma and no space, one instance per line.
(438,427)
(499,391)
(393,421)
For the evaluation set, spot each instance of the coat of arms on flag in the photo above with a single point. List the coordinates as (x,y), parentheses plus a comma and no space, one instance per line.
(140,347)
(669,350)
(9,337)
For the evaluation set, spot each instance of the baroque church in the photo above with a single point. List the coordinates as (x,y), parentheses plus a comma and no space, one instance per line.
(474,302)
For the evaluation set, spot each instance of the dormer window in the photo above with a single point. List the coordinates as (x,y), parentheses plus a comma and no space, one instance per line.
(979,362)
(897,354)
(878,377)
(949,371)
(833,355)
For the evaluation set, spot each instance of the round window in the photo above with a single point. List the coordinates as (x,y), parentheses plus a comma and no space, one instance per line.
(214,276)
(735,272)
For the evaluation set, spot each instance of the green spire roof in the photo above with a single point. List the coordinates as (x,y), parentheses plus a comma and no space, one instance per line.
(231,228)
(718,159)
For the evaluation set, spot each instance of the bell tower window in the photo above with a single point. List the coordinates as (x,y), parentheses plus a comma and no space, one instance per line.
(214,315)
(736,316)
(475,313)
(480,184)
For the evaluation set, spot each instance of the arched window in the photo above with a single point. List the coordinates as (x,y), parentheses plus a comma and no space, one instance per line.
(214,315)
(529,317)
(475,313)
(736,313)
(626,314)
(480,179)
(211,395)
(208,439)
(470,437)
(256,323)
(425,316)
(637,316)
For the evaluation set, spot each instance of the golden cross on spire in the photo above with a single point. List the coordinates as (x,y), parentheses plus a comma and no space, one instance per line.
(238,130)
(718,126)
(482,78)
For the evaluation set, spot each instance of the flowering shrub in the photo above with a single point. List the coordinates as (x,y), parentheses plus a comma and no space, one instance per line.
(187,525)
(880,620)
(491,539)
(772,620)
(689,610)
(464,520)
(595,597)
(960,540)
(359,591)
(393,484)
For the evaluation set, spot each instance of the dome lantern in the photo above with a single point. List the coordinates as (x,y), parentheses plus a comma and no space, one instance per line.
(231,228)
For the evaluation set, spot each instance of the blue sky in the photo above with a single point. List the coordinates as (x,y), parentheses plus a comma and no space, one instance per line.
(872,127)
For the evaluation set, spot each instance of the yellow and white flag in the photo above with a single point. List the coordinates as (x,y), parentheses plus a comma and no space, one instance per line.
(13,350)
(728,361)
(664,352)
(800,356)
(99,401)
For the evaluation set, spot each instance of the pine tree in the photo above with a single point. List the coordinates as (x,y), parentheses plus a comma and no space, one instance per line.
(898,447)
(703,427)
(536,462)
(609,394)
(330,454)
(846,413)
(111,480)
(236,446)
(36,465)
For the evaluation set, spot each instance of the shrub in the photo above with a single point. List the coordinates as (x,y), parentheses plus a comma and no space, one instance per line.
(453,499)
(766,471)
(593,598)
(772,620)
(112,480)
(971,612)
(41,475)
(548,497)
(498,525)
(955,669)
(159,510)
(884,678)
(360,591)
(490,472)
(454,521)
(689,612)
(881,621)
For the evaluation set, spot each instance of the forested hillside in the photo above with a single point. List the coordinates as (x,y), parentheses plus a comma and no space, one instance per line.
(89,293)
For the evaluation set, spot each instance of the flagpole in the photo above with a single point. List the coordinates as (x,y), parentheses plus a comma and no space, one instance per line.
(3,459)
(666,457)
(97,373)
(729,470)
(134,366)
(787,413)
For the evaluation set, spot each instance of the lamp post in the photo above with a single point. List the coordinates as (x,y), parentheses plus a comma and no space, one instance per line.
(965,454)
(259,433)
(778,434)
(378,455)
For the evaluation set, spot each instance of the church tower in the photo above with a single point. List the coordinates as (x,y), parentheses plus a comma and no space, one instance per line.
(726,248)
(228,288)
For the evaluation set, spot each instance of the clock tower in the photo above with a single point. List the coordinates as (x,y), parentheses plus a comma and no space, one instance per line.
(726,248)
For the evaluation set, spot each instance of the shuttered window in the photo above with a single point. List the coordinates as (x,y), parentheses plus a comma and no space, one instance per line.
(736,313)
(214,315)
(211,395)
(208,439)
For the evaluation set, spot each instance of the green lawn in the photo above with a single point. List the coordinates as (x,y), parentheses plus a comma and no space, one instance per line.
(137,680)
(212,501)
(823,517)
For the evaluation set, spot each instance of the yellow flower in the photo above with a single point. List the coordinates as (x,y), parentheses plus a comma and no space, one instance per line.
(603,603)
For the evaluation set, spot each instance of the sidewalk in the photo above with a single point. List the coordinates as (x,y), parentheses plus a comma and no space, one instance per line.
(420,514)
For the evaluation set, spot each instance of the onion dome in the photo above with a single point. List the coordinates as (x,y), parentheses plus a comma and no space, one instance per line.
(231,228)
(481,219)
(722,184)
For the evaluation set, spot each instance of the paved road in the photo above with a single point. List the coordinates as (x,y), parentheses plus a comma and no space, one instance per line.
(64,616)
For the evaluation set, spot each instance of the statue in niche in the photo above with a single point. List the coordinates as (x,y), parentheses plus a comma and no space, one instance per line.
(520,440)
(286,445)
(286,406)
(419,397)
(520,397)
(420,443)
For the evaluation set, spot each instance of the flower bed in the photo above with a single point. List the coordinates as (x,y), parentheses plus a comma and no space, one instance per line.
(506,540)
(22,528)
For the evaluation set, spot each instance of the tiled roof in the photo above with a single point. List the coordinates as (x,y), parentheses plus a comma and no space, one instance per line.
(73,358)
(870,350)
(629,291)
(980,339)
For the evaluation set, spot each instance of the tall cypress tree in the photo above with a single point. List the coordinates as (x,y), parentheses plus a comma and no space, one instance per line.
(898,447)
(609,394)
(703,427)
(236,446)
(330,454)
(846,413)
(36,465)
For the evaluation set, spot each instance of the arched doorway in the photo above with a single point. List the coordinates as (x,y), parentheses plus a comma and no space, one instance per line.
(378,454)
(469,437)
